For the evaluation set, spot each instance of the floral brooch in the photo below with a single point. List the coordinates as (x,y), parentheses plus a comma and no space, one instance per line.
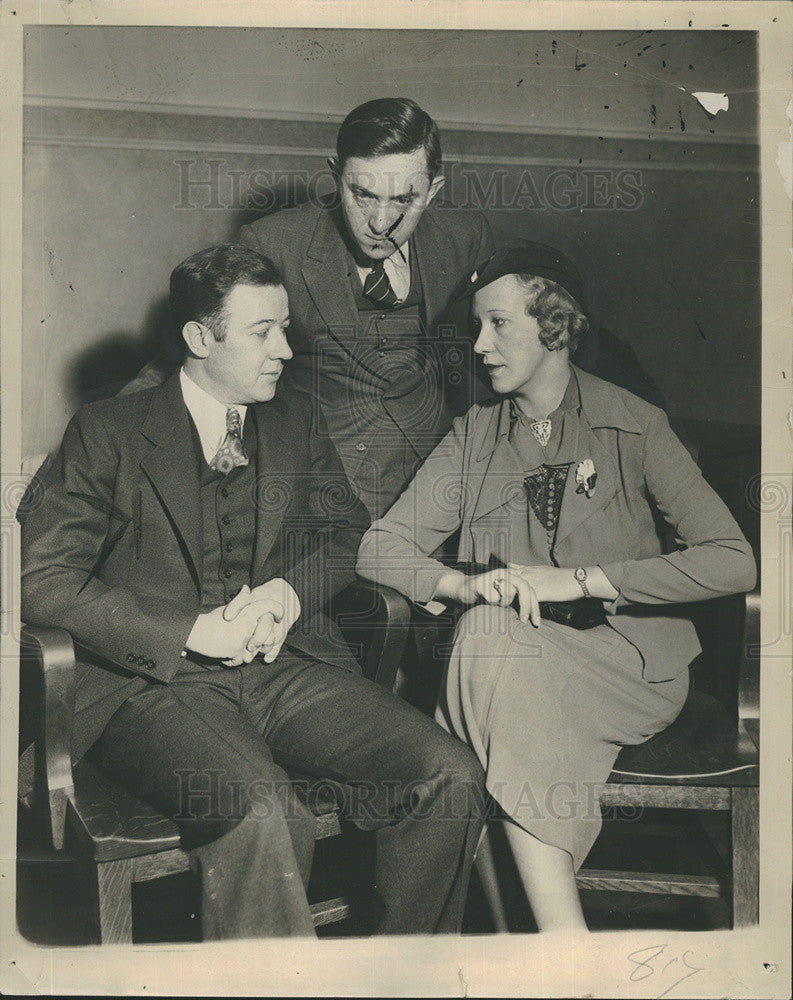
(586,477)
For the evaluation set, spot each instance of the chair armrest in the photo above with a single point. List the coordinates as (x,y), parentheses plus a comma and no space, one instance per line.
(749,669)
(375,621)
(49,652)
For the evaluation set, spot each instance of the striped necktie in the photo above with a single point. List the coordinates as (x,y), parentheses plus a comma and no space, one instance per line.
(377,288)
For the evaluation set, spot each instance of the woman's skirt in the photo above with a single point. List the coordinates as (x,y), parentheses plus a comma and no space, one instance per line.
(546,711)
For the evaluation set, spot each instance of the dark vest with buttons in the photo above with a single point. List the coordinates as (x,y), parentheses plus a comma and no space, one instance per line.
(391,344)
(229,519)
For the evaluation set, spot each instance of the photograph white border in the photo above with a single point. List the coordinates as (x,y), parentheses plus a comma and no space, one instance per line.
(742,963)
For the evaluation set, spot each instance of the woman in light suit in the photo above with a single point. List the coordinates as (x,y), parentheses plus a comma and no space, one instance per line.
(574,645)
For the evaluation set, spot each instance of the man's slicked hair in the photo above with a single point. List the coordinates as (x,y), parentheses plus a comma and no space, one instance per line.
(200,284)
(389,125)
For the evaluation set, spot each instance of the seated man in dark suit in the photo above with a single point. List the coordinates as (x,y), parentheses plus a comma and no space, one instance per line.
(372,275)
(188,537)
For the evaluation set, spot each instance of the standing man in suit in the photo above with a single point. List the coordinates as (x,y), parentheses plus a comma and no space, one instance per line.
(372,275)
(188,537)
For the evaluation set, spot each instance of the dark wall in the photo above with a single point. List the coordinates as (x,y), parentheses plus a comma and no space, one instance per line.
(668,240)
(666,234)
(591,140)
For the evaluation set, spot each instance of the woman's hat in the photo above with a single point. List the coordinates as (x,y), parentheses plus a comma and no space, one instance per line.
(526,257)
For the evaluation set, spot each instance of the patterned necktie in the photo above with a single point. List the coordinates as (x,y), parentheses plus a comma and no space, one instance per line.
(231,453)
(377,288)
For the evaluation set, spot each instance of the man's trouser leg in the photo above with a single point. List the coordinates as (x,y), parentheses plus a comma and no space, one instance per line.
(187,749)
(398,772)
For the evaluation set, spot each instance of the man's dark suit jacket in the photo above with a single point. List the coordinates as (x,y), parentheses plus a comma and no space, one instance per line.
(113,551)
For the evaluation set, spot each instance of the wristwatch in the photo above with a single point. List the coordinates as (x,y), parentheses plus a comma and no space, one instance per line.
(580,575)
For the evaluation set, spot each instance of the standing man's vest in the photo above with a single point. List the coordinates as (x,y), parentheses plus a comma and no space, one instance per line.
(401,395)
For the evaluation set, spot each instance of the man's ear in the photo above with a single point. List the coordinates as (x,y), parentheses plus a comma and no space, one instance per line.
(436,184)
(197,337)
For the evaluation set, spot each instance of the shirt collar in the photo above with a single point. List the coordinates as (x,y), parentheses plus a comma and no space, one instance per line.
(397,270)
(208,413)
(601,404)
(399,259)
(606,405)
(571,400)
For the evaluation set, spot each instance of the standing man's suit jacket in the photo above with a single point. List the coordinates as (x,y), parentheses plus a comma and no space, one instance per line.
(113,552)
(474,480)
(339,361)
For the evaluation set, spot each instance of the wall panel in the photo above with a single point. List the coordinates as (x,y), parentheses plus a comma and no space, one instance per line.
(666,231)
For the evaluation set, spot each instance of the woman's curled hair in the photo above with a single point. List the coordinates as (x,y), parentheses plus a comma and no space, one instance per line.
(562,322)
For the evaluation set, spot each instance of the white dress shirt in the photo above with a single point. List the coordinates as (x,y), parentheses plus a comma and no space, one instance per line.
(209,415)
(397,269)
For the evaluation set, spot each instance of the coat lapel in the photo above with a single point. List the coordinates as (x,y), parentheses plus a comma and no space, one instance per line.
(601,407)
(494,477)
(172,467)
(493,480)
(326,274)
(274,482)
(432,251)
(577,507)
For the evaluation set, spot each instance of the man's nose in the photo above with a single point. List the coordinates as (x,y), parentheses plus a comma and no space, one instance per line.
(281,348)
(381,219)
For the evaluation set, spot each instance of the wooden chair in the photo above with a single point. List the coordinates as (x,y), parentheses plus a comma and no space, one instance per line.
(119,839)
(707,760)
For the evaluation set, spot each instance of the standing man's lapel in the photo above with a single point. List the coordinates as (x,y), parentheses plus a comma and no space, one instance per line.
(432,250)
(326,273)
(173,468)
